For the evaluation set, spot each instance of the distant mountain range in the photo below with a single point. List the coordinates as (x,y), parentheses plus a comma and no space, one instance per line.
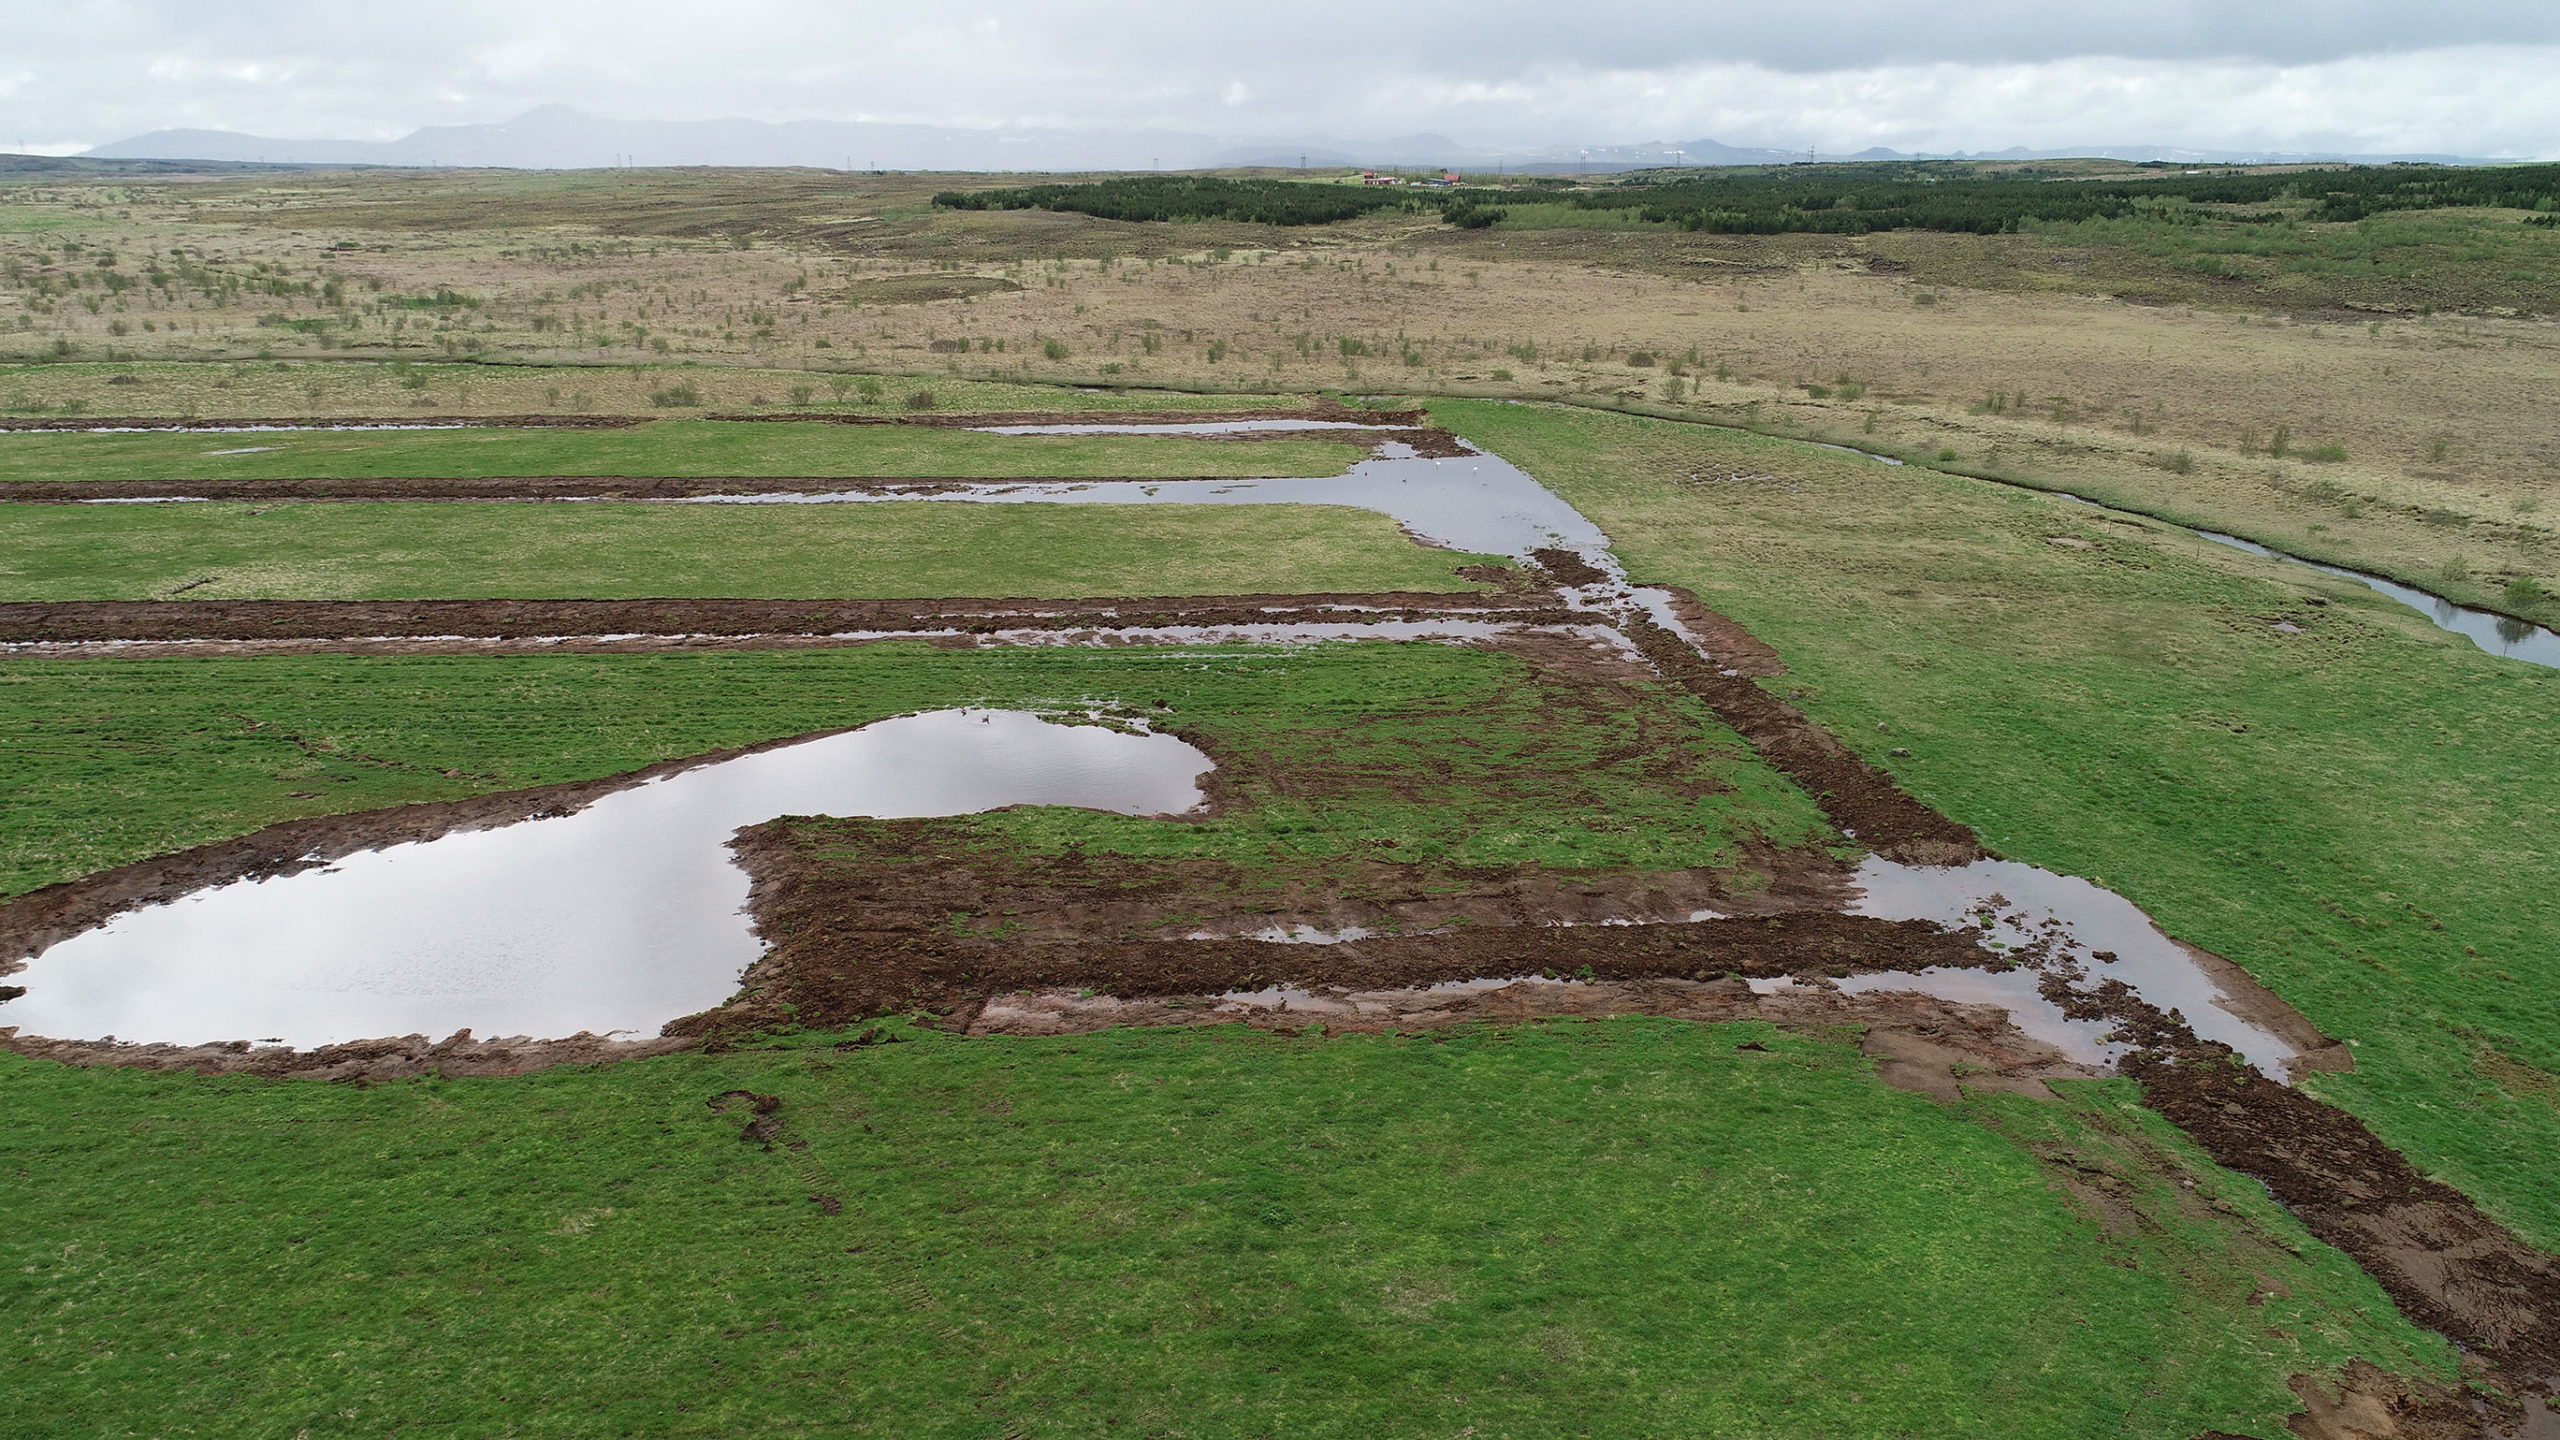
(556,137)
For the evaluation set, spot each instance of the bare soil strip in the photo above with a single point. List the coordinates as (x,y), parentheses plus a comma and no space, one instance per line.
(1329,412)
(2444,1262)
(54,622)
(97,423)
(2449,1266)
(1919,1042)
(525,487)
(1862,800)
(869,918)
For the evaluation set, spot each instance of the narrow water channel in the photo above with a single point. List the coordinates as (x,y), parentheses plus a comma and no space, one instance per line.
(2495,633)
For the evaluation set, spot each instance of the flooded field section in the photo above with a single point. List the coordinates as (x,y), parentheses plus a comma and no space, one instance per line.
(613,918)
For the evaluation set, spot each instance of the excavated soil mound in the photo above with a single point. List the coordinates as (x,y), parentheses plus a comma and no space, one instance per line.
(2449,1266)
(1862,800)
(883,917)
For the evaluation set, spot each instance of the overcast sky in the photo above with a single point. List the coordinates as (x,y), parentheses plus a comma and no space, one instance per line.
(2474,77)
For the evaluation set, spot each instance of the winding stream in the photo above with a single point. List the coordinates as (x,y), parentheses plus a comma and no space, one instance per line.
(2495,633)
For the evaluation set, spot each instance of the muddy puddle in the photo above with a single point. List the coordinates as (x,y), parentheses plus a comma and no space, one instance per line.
(2057,926)
(2498,634)
(615,918)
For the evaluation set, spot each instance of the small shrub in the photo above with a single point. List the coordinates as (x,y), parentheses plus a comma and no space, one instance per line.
(948,347)
(1818,392)
(1054,349)
(1946,456)
(675,397)
(1217,351)
(2524,590)
(2325,454)
(869,389)
(1501,374)
(803,394)
(2281,444)
(1641,359)
(921,400)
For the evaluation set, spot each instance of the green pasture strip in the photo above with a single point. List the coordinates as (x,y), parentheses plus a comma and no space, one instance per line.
(684,449)
(885,549)
(2365,815)
(1438,753)
(1624,1228)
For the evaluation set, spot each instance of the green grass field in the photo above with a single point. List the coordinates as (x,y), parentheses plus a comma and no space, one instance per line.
(676,448)
(1623,1228)
(887,549)
(2360,814)
(1443,754)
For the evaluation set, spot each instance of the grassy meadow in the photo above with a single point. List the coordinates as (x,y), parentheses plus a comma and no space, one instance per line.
(684,449)
(1628,1227)
(866,550)
(1385,751)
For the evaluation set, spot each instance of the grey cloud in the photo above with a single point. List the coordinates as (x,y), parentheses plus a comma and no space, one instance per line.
(1502,72)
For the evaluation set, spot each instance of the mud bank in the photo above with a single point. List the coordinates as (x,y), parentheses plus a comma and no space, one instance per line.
(402,1058)
(108,425)
(831,966)
(61,622)
(1862,800)
(2448,1266)
(40,918)
(1931,1046)
(506,488)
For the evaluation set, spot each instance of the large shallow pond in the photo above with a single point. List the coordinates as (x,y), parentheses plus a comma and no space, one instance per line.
(619,917)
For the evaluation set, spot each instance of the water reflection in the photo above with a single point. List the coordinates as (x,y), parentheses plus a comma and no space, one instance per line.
(619,917)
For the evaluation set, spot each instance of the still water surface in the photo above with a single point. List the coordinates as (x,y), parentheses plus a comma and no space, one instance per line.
(619,917)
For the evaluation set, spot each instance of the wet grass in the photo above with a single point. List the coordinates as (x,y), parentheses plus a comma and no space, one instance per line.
(891,549)
(1432,752)
(678,448)
(1631,1227)
(2363,814)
